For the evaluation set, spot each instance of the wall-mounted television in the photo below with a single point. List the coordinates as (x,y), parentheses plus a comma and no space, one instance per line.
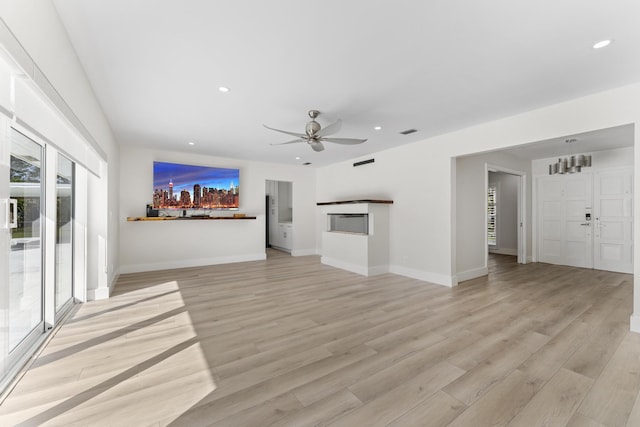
(177,186)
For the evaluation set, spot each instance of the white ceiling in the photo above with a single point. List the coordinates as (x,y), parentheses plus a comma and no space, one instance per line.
(436,66)
(589,142)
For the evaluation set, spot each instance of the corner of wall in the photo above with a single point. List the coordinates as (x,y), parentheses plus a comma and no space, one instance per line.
(472,274)
(98,294)
(426,276)
(635,323)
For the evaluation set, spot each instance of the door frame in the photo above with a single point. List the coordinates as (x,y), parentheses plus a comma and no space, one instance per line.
(521,210)
(16,357)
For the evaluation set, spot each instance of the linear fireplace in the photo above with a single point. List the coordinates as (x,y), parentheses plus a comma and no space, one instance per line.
(357,223)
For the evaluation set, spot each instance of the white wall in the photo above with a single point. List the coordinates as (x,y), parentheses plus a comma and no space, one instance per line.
(417,181)
(599,159)
(421,177)
(46,54)
(471,249)
(157,245)
(507,212)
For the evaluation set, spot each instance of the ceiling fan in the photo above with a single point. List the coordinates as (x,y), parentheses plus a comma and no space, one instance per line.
(315,134)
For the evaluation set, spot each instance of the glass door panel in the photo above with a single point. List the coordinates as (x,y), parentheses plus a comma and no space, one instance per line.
(25,262)
(64,232)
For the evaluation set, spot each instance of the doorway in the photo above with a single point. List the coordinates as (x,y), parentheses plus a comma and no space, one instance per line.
(279,215)
(505,212)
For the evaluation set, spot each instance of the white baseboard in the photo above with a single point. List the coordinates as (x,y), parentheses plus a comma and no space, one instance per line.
(139,268)
(304,252)
(504,251)
(281,249)
(472,274)
(98,294)
(426,276)
(114,280)
(358,269)
(635,323)
(378,269)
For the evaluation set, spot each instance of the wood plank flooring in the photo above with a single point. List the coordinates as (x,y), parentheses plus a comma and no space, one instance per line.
(291,342)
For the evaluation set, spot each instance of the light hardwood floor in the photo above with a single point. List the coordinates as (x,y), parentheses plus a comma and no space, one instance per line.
(291,342)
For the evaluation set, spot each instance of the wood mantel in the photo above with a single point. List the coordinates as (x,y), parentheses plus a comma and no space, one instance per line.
(348,202)
(180,218)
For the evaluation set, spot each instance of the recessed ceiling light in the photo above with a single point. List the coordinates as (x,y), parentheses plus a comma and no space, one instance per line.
(223,89)
(192,143)
(298,158)
(601,44)
(377,128)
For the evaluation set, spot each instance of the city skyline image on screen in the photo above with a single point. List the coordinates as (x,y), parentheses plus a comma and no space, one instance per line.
(177,186)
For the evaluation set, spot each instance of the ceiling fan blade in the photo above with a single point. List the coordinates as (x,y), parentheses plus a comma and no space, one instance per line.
(345,141)
(290,142)
(317,146)
(299,135)
(331,129)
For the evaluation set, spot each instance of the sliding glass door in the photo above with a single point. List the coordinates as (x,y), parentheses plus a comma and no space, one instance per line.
(26,191)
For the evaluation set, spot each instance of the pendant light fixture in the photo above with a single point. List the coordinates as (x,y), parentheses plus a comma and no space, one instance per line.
(572,163)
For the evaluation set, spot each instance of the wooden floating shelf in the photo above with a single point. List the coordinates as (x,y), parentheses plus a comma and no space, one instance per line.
(347,202)
(186,218)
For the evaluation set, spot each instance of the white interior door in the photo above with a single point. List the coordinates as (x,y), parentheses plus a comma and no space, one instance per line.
(578,248)
(565,236)
(550,218)
(613,220)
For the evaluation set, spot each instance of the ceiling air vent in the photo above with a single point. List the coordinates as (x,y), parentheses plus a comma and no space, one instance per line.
(364,162)
(408,131)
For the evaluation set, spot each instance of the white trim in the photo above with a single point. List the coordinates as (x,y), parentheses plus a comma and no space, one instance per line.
(364,271)
(114,279)
(534,218)
(139,268)
(304,252)
(98,294)
(472,274)
(504,251)
(426,276)
(333,262)
(635,323)
(376,270)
